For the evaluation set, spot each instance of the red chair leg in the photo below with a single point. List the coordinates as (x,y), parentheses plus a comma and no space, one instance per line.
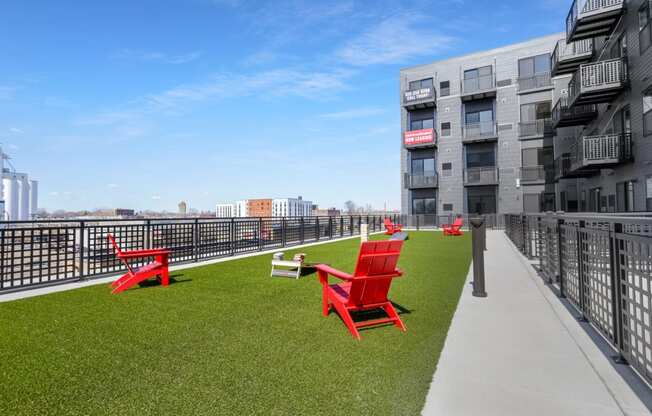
(119,280)
(391,312)
(348,320)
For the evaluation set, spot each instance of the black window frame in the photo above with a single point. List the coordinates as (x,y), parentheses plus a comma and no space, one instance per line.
(446,131)
(647,115)
(644,26)
(545,57)
(444,91)
(427,202)
(429,83)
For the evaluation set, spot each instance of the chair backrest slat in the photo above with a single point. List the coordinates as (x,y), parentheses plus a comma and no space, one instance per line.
(118,253)
(458,222)
(376,258)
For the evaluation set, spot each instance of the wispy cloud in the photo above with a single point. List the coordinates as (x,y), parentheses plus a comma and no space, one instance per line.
(112,185)
(354,113)
(394,40)
(16,130)
(145,56)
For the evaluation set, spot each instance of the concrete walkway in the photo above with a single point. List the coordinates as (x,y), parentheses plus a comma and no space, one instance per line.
(520,352)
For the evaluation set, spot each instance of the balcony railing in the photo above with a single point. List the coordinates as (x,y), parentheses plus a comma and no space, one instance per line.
(420,98)
(479,85)
(535,129)
(420,138)
(592,18)
(486,175)
(562,166)
(601,151)
(477,132)
(579,115)
(418,181)
(597,82)
(567,57)
(535,82)
(533,174)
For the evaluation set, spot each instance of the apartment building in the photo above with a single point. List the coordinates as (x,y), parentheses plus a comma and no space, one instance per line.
(291,207)
(225,210)
(259,207)
(559,122)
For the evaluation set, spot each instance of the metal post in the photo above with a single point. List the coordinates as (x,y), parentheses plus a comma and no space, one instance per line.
(560,254)
(81,249)
(317,230)
(341,226)
(616,291)
(477,226)
(283,232)
(302,230)
(232,230)
(260,234)
(195,240)
(417,222)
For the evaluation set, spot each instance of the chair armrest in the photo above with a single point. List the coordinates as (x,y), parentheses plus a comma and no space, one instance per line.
(333,272)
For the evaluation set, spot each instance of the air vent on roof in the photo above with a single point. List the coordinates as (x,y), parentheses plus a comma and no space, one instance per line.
(504,83)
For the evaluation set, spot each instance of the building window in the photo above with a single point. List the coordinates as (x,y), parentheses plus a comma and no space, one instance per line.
(445,88)
(532,66)
(424,206)
(647,112)
(478,79)
(644,27)
(446,129)
(480,155)
(481,200)
(531,203)
(424,83)
(421,124)
(448,207)
(423,167)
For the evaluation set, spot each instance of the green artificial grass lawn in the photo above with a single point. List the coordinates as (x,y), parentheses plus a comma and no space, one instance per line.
(227,339)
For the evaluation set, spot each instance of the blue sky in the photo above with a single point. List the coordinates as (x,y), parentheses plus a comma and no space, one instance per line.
(143,103)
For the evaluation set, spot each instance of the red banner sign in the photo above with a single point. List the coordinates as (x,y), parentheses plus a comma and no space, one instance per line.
(416,137)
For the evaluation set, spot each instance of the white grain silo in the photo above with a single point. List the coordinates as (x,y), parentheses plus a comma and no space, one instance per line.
(33,198)
(23,197)
(11,196)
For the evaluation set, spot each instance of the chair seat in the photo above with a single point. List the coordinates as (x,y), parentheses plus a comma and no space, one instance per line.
(340,291)
(148,267)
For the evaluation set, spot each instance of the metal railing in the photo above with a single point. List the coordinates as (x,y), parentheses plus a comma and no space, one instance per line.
(536,81)
(562,112)
(37,253)
(535,128)
(601,75)
(607,148)
(581,7)
(479,84)
(533,174)
(436,221)
(570,50)
(486,175)
(482,130)
(424,180)
(601,264)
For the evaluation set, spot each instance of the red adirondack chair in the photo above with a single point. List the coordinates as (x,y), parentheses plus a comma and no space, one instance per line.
(455,228)
(366,288)
(391,228)
(136,275)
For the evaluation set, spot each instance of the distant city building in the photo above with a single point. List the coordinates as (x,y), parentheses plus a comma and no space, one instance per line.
(225,210)
(241,208)
(183,208)
(291,207)
(113,213)
(328,212)
(259,207)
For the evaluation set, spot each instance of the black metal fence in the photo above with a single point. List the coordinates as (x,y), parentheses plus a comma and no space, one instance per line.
(432,221)
(603,265)
(35,253)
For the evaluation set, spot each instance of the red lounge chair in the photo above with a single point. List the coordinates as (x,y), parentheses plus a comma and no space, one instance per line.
(391,228)
(367,288)
(455,228)
(136,275)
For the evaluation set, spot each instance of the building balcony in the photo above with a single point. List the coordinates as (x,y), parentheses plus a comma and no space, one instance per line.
(420,138)
(420,98)
(421,181)
(567,57)
(592,153)
(598,82)
(579,115)
(486,175)
(533,175)
(478,88)
(562,167)
(483,131)
(535,129)
(535,82)
(592,18)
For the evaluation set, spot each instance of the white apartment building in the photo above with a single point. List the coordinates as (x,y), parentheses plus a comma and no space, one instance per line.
(224,210)
(291,207)
(241,209)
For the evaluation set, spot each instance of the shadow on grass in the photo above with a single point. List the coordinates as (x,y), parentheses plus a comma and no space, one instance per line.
(174,279)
